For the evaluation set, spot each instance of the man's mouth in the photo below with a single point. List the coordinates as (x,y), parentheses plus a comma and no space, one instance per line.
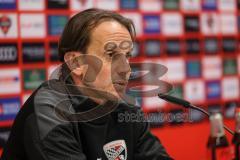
(120,83)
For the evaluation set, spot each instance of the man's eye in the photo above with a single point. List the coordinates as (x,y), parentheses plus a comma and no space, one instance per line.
(110,54)
(129,55)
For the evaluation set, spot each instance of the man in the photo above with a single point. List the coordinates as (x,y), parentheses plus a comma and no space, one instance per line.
(76,116)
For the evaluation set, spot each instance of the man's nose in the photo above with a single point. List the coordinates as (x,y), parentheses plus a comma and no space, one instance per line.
(122,65)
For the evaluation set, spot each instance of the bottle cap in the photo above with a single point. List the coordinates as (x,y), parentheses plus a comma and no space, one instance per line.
(216,123)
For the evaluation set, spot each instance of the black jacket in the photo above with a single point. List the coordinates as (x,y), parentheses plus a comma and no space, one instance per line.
(39,133)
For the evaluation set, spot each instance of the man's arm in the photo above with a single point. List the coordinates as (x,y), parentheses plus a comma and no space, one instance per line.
(61,143)
(39,134)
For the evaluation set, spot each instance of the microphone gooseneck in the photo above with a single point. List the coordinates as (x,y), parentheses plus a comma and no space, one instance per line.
(187,104)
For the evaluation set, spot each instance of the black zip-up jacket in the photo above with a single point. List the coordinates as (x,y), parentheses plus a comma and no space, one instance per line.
(39,133)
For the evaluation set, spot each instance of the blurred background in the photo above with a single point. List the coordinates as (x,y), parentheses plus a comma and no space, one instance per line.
(197,40)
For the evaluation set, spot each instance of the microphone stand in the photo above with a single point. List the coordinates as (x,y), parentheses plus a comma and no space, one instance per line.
(206,113)
(187,104)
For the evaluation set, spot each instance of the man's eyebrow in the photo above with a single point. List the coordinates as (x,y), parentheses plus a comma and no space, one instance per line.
(110,46)
(126,45)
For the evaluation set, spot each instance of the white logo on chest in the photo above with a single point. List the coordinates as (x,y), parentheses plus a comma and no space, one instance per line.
(116,150)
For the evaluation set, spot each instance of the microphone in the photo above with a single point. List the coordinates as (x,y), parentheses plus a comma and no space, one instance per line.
(175,100)
(187,104)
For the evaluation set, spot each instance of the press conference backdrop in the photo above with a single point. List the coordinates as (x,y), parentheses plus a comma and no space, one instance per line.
(197,40)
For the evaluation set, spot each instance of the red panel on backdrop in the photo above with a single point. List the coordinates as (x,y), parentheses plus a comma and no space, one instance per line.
(188,142)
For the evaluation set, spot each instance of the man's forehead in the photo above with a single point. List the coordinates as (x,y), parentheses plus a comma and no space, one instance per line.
(110,31)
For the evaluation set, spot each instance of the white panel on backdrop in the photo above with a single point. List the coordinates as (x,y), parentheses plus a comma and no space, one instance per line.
(230,88)
(190,5)
(32,26)
(10,81)
(227,5)
(8,25)
(212,67)
(228,24)
(172,24)
(210,24)
(107,4)
(194,91)
(79,5)
(150,5)
(176,70)
(137,20)
(32,5)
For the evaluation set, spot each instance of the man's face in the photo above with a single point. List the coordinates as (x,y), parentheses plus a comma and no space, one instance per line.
(111,43)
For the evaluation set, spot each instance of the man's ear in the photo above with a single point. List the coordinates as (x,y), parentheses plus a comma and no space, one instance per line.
(73,59)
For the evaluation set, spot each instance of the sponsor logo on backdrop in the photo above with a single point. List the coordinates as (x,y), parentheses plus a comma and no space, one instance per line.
(211,45)
(193,46)
(8,26)
(212,67)
(33,52)
(191,24)
(32,26)
(214,108)
(209,4)
(152,48)
(230,88)
(150,5)
(7,4)
(213,89)
(210,24)
(31,5)
(53,51)
(5,24)
(190,5)
(8,53)
(228,24)
(171,5)
(230,66)
(56,24)
(229,44)
(78,5)
(193,69)
(9,108)
(126,4)
(9,81)
(172,24)
(194,91)
(57,4)
(33,78)
(4,134)
(230,109)
(173,47)
(151,24)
